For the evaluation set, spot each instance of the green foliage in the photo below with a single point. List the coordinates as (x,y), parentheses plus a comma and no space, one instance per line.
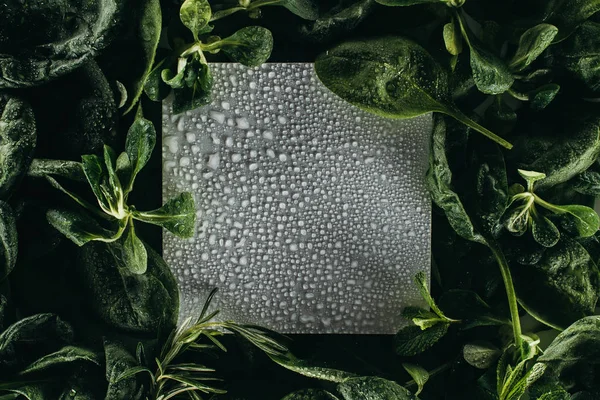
(419,375)
(310,394)
(373,388)
(8,237)
(250,46)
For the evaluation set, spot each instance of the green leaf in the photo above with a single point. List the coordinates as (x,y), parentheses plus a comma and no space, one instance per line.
(178,215)
(339,20)
(118,361)
(195,15)
(306,9)
(532,43)
(412,340)
(531,177)
(588,183)
(452,39)
(541,97)
(128,302)
(9,238)
(584,218)
(197,84)
(141,139)
(418,374)
(250,46)
(421,282)
(544,231)
(481,354)
(439,184)
(393,77)
(310,370)
(566,281)
(373,388)
(135,256)
(17,141)
(404,3)
(66,355)
(573,357)
(567,15)
(154,86)
(96,174)
(310,394)
(79,227)
(422,318)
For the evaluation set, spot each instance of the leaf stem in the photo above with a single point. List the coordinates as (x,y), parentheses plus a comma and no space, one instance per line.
(510,293)
(458,115)
(225,13)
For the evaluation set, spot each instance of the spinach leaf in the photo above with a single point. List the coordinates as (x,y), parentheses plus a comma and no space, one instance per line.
(17,141)
(250,46)
(128,301)
(532,43)
(573,358)
(9,238)
(373,388)
(567,281)
(58,45)
(178,215)
(118,361)
(567,15)
(393,77)
(310,394)
(66,355)
(541,97)
(195,15)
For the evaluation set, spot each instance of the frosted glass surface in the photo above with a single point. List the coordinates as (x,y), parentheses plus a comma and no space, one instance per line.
(313,215)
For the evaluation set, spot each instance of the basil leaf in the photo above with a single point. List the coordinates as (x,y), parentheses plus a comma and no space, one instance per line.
(439,184)
(141,139)
(126,301)
(31,57)
(250,46)
(544,231)
(195,15)
(393,77)
(119,360)
(17,141)
(9,239)
(78,226)
(373,388)
(412,340)
(532,43)
(178,215)
(310,394)
(418,374)
(135,256)
(66,355)
(338,21)
(481,354)
(567,15)
(573,358)
(566,280)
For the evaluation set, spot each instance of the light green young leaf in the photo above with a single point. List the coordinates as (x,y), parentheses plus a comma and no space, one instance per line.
(412,340)
(178,215)
(452,39)
(373,388)
(392,77)
(195,15)
(135,257)
(422,318)
(141,139)
(419,375)
(531,177)
(531,44)
(250,46)
(9,239)
(481,354)
(79,227)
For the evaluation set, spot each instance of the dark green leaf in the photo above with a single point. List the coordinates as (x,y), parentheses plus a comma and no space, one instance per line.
(154,87)
(9,239)
(559,394)
(306,9)
(418,374)
(135,257)
(373,388)
(490,73)
(250,46)
(543,96)
(412,340)
(131,302)
(310,370)
(574,356)
(566,284)
(55,47)
(393,77)
(310,394)
(141,139)
(178,215)
(17,141)
(119,360)
(30,391)
(531,44)
(468,306)
(544,231)
(196,87)
(439,183)
(339,20)
(480,354)
(78,226)
(195,15)
(403,3)
(96,174)
(567,15)
(66,355)
(588,183)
